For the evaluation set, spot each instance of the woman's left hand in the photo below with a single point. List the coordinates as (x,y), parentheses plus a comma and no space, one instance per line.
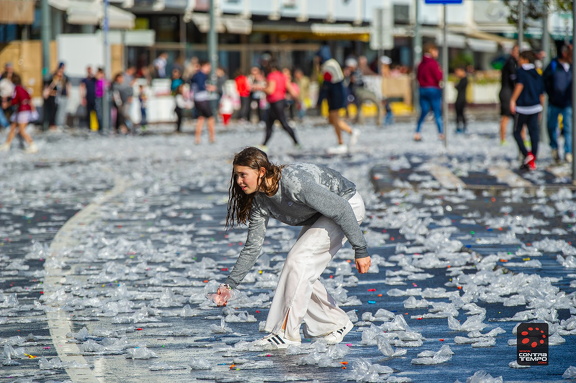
(363,265)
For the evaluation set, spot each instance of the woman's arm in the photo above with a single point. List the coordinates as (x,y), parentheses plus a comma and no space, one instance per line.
(251,250)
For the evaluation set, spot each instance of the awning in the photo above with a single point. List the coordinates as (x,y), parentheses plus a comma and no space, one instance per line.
(318,31)
(120,19)
(328,28)
(477,45)
(202,21)
(238,25)
(231,24)
(91,12)
(489,37)
(83,13)
(454,41)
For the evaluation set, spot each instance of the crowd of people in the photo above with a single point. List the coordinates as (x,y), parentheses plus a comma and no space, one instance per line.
(525,82)
(268,93)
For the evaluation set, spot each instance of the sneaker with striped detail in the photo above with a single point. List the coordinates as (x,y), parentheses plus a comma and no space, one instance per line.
(275,341)
(337,336)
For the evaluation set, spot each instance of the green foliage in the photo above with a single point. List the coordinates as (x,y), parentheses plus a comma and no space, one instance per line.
(462,60)
(565,5)
(535,9)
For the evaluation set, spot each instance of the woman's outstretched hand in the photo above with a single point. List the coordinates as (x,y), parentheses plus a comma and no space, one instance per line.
(363,264)
(222,296)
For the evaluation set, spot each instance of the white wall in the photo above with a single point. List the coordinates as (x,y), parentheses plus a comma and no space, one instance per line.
(79,51)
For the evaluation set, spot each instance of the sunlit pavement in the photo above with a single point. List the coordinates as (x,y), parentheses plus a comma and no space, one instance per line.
(108,245)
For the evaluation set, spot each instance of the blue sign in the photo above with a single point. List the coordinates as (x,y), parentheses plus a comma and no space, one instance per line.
(443,1)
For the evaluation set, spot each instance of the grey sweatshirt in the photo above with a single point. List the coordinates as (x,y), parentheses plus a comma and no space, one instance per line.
(305,193)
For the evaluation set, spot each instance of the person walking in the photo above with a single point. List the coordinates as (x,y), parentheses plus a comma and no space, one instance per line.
(62,96)
(508,81)
(20,119)
(243,89)
(526,102)
(291,98)
(386,74)
(88,94)
(304,98)
(201,89)
(51,94)
(558,78)
(257,96)
(160,64)
(182,104)
(460,104)
(429,75)
(329,209)
(334,91)
(276,87)
(6,93)
(122,94)
(100,89)
(143,101)
(175,81)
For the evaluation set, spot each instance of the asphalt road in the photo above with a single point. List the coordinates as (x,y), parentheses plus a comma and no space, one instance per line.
(108,245)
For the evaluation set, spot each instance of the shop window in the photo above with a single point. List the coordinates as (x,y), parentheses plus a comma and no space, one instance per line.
(167,28)
(401,13)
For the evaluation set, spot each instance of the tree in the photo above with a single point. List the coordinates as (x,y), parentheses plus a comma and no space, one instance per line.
(564,5)
(535,9)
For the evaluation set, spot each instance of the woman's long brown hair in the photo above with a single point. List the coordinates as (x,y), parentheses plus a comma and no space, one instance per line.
(240,203)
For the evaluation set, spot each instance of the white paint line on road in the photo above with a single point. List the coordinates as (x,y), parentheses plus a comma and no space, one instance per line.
(58,321)
(509,177)
(446,178)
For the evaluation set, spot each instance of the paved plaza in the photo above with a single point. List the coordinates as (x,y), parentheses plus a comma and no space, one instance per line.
(109,245)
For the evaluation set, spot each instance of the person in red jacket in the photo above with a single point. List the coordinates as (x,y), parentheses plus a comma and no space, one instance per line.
(21,118)
(429,75)
(243,88)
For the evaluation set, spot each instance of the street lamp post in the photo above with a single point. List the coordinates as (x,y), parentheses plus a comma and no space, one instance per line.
(213,51)
(45,10)
(520,24)
(573,95)
(545,60)
(212,43)
(417,52)
(106,118)
(445,72)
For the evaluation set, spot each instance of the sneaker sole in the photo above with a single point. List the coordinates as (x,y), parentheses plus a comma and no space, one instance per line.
(276,341)
(343,332)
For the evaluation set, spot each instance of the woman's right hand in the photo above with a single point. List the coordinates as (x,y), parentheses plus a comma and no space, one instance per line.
(222,296)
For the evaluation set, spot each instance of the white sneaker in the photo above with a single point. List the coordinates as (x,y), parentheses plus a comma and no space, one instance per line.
(568,157)
(354,137)
(32,148)
(340,149)
(4,147)
(275,341)
(337,336)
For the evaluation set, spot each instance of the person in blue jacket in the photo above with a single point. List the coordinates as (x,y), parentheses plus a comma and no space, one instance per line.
(558,79)
(526,103)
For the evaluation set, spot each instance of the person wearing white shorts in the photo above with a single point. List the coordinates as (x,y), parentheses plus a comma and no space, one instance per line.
(21,118)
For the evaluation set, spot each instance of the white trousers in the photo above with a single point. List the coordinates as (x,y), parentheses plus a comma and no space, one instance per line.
(300,296)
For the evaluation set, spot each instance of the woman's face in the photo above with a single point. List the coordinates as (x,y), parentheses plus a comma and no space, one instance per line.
(247,178)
